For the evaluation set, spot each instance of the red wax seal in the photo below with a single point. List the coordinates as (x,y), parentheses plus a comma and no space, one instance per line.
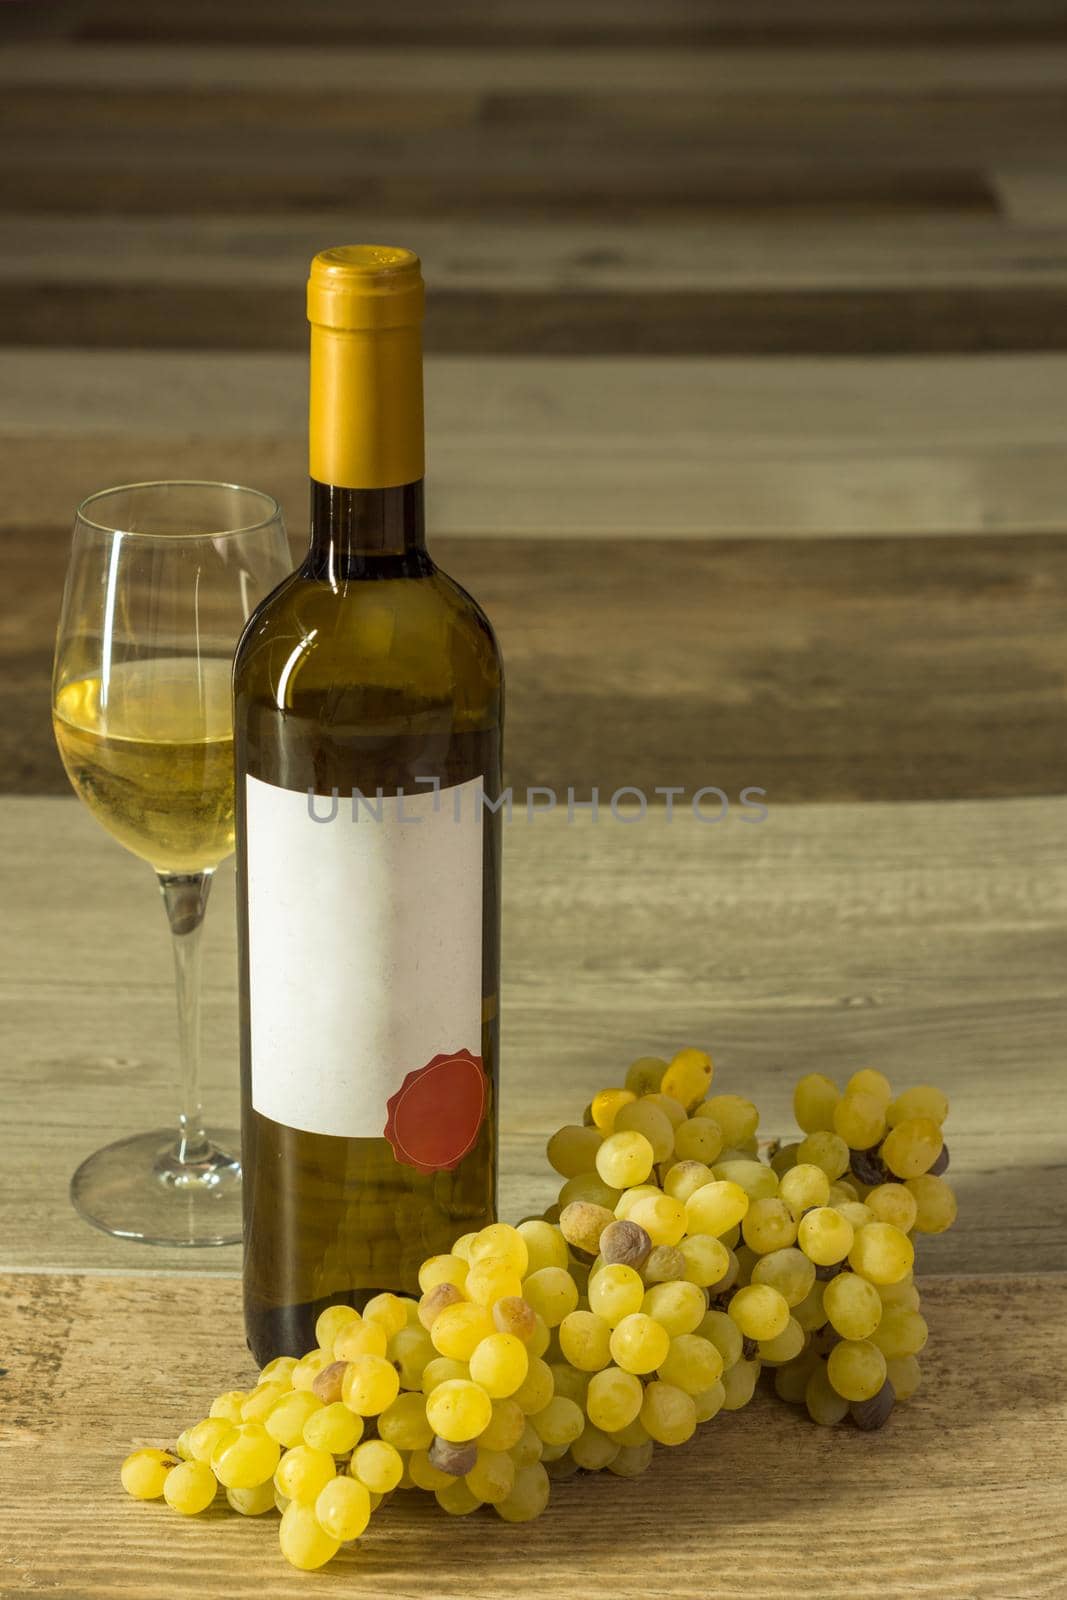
(435,1115)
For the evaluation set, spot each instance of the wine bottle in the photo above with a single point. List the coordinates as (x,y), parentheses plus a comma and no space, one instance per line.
(368,697)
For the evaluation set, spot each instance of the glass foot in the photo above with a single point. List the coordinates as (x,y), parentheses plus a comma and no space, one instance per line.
(147,1188)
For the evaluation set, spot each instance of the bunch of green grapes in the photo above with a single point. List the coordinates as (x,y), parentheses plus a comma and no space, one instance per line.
(448,1393)
(865,1179)
(673,1267)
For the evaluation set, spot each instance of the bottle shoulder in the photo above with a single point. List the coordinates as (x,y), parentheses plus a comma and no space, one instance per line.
(422,637)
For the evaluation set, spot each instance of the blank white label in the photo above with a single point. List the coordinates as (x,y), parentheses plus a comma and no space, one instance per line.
(365,949)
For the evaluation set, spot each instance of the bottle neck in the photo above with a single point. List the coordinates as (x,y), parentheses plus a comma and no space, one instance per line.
(367,533)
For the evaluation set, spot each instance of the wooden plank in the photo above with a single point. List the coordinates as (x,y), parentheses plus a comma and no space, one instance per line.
(954,319)
(820,669)
(966,1483)
(925,939)
(553,448)
(253,71)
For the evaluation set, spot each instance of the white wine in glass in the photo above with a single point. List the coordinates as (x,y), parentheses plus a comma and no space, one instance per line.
(161,580)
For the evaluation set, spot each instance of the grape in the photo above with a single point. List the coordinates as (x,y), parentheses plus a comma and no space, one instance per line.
(503,1243)
(710,1401)
(688,1077)
(698,1139)
(881,1253)
(737,1118)
(459,1329)
(569,1381)
(536,1390)
(870,1081)
(684,1178)
(584,1340)
(329,1323)
(639,1344)
(739,1384)
(635,1433)
(615,1292)
(853,1306)
(789,1271)
(378,1465)
(901,1293)
(922,1102)
(435,1300)
(859,1118)
(372,1383)
(814,1099)
(804,1185)
(327,1383)
(461,1247)
(691,1363)
(343,1508)
(629,1198)
(758,1182)
(492,1278)
(440,1369)
(545,1245)
(624,1159)
(663,1219)
(552,1293)
(665,1263)
(668,1413)
(285,1423)
(593,1449)
(901,1332)
(869,1415)
(358,1339)
(457,1499)
(768,1225)
(895,1203)
(424,1475)
(759,1311)
(826,1150)
(641,1116)
(260,1403)
(452,1459)
(458,1410)
(613,1399)
(935,1204)
(791,1380)
(606,1105)
(824,1404)
(280,1370)
(631,1462)
(252,1502)
(645,1075)
(581,1224)
(559,1422)
(904,1374)
(492,1477)
(245,1457)
(706,1258)
(672,1109)
(505,1427)
(308,1367)
(856,1369)
(529,1447)
(403,1424)
(228,1405)
(679,1307)
(784,1159)
(144,1473)
(784,1346)
(333,1428)
(443,1269)
(410,1350)
(499,1363)
(722,1331)
(912,1146)
(825,1236)
(856,1212)
(304,1544)
(624,1244)
(715,1208)
(811,1311)
(529,1495)
(303,1471)
(589,1188)
(842,1190)
(572,1150)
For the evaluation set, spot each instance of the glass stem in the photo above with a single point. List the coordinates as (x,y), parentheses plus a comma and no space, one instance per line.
(185,898)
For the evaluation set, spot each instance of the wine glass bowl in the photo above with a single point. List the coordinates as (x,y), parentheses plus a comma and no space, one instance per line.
(162,578)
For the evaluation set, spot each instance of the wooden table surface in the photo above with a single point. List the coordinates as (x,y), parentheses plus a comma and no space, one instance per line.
(747,399)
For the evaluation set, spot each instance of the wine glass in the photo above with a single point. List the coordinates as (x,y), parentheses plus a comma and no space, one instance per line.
(162,579)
